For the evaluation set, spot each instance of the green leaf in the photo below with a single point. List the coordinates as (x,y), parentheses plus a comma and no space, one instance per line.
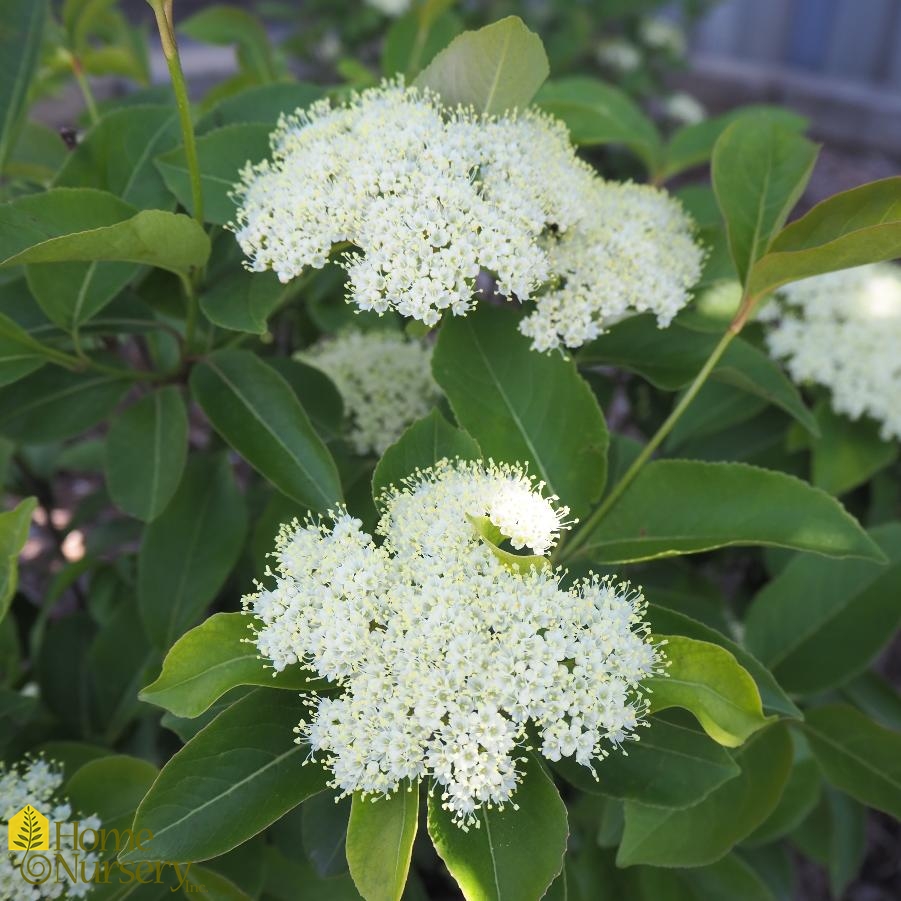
(188,552)
(698,514)
(243,301)
(293,879)
(380,843)
(20,44)
(495,69)
(760,167)
(514,854)
(37,155)
(212,659)
(21,354)
(876,697)
(775,700)
(116,155)
(52,404)
(424,443)
(235,777)
(523,406)
(222,153)
(692,145)
(110,788)
(597,113)
(857,755)
(702,834)
(670,358)
(729,878)
(819,623)
(255,410)
(669,766)
(263,104)
(146,449)
(14,526)
(316,392)
(415,38)
(852,228)
(708,681)
(848,452)
(322,822)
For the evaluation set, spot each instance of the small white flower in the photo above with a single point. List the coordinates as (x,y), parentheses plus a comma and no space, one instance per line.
(684,108)
(444,656)
(619,54)
(662,34)
(842,330)
(385,381)
(427,199)
(36,782)
(391,8)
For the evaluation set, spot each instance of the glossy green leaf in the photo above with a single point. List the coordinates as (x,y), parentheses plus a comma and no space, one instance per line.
(668,622)
(222,153)
(699,515)
(852,228)
(821,622)
(52,404)
(708,681)
(875,696)
(759,167)
(380,843)
(188,552)
(669,766)
(212,659)
(693,144)
(243,301)
(670,358)
(523,406)
(290,878)
(14,527)
(263,104)
(702,834)
(857,755)
(316,392)
(597,113)
(20,44)
(424,443)
(322,823)
(196,811)
(38,153)
(256,411)
(497,68)
(146,449)
(416,37)
(116,155)
(515,854)
(20,353)
(848,452)
(730,878)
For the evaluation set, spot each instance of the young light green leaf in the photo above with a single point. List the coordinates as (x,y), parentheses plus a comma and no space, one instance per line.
(523,406)
(210,660)
(708,681)
(852,228)
(14,526)
(495,69)
(256,411)
(188,552)
(222,153)
(702,834)
(597,113)
(857,755)
(819,623)
(424,443)
(52,404)
(20,44)
(759,168)
(263,775)
(380,843)
(146,449)
(515,854)
(669,766)
(116,155)
(699,515)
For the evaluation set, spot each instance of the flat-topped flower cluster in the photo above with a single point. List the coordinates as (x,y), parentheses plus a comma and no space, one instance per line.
(842,330)
(426,199)
(385,380)
(36,782)
(444,654)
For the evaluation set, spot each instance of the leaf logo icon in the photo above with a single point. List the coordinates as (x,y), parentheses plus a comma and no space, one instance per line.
(28,831)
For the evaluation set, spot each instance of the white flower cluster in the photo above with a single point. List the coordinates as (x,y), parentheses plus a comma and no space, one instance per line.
(36,782)
(427,199)
(842,330)
(385,380)
(445,655)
